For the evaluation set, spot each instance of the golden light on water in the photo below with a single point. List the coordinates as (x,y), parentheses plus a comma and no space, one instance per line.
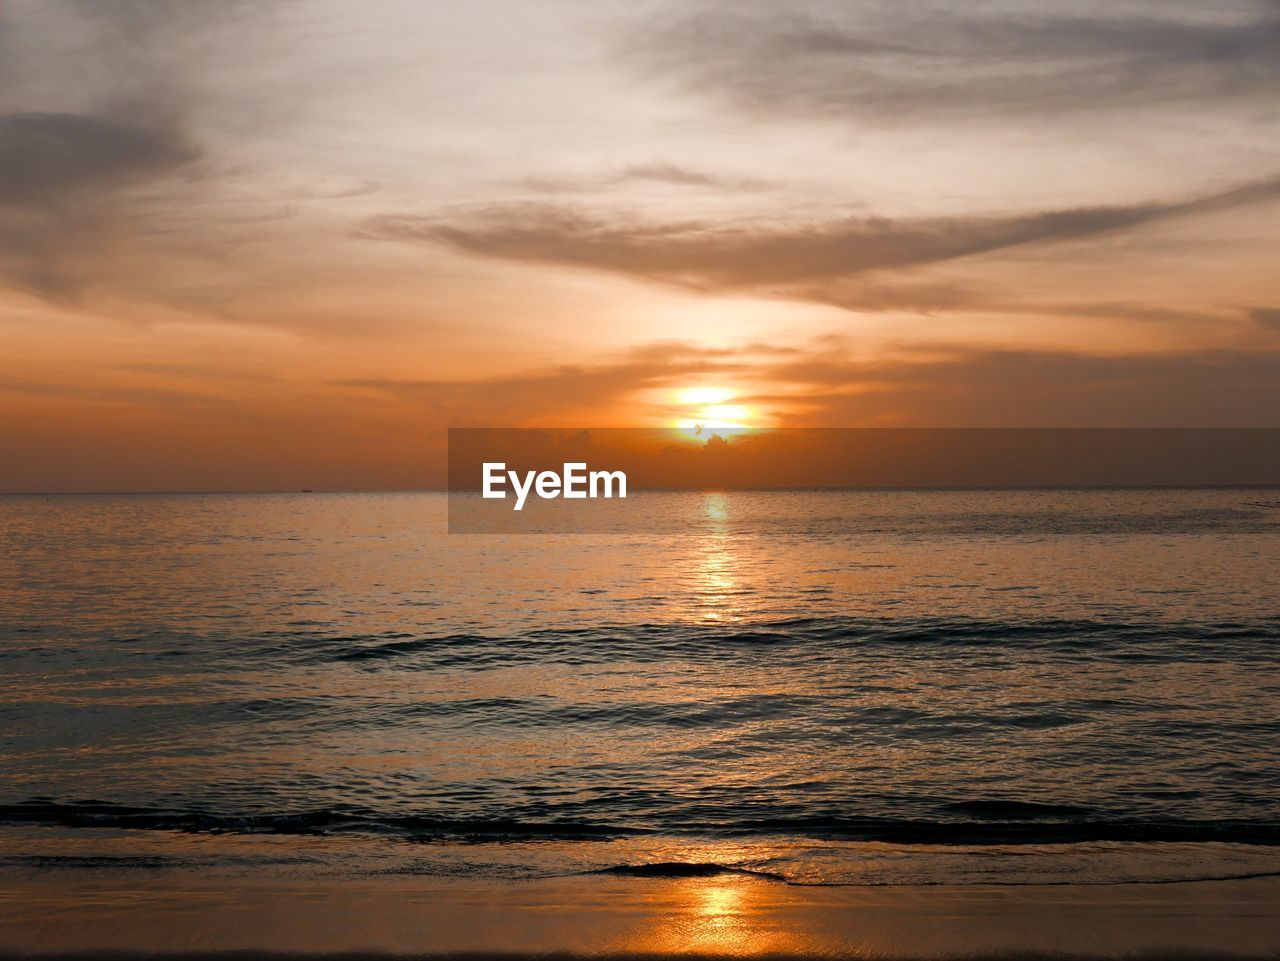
(724,916)
(715,507)
(718,922)
(716,574)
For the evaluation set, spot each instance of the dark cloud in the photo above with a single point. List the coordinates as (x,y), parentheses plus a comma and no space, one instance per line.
(683,176)
(1266,316)
(86,163)
(142,396)
(562,390)
(787,259)
(940,298)
(863,295)
(823,383)
(893,61)
(140,19)
(104,56)
(62,183)
(655,172)
(46,157)
(1044,389)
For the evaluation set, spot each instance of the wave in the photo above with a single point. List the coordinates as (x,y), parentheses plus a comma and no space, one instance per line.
(990,823)
(323,821)
(1119,639)
(992,832)
(684,869)
(700,869)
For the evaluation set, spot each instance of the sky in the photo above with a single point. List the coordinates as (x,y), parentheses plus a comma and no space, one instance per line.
(282,244)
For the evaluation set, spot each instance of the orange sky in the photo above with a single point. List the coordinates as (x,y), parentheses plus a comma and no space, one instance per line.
(260,245)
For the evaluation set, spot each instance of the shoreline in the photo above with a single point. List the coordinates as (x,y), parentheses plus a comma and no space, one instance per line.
(83,913)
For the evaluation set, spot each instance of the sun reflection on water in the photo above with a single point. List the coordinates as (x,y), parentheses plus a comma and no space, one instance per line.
(716,575)
(718,921)
(719,916)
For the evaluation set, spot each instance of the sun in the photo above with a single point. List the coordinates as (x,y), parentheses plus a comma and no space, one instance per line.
(718,416)
(703,396)
(704,409)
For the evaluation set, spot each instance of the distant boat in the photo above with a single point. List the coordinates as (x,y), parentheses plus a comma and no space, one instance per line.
(307,490)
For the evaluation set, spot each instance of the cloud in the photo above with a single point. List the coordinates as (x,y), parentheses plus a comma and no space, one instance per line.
(788,259)
(48,158)
(1265,316)
(825,383)
(892,62)
(1045,389)
(683,176)
(62,183)
(85,165)
(170,434)
(658,172)
(111,57)
(139,395)
(563,391)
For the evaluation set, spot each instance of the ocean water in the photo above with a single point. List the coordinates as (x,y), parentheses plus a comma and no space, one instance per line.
(880,687)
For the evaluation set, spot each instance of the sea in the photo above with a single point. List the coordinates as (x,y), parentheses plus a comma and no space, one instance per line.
(947,687)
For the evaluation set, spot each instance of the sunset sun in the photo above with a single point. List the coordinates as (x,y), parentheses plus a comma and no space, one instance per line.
(705,408)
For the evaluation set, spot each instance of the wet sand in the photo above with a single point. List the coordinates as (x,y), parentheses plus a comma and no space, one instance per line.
(65,912)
